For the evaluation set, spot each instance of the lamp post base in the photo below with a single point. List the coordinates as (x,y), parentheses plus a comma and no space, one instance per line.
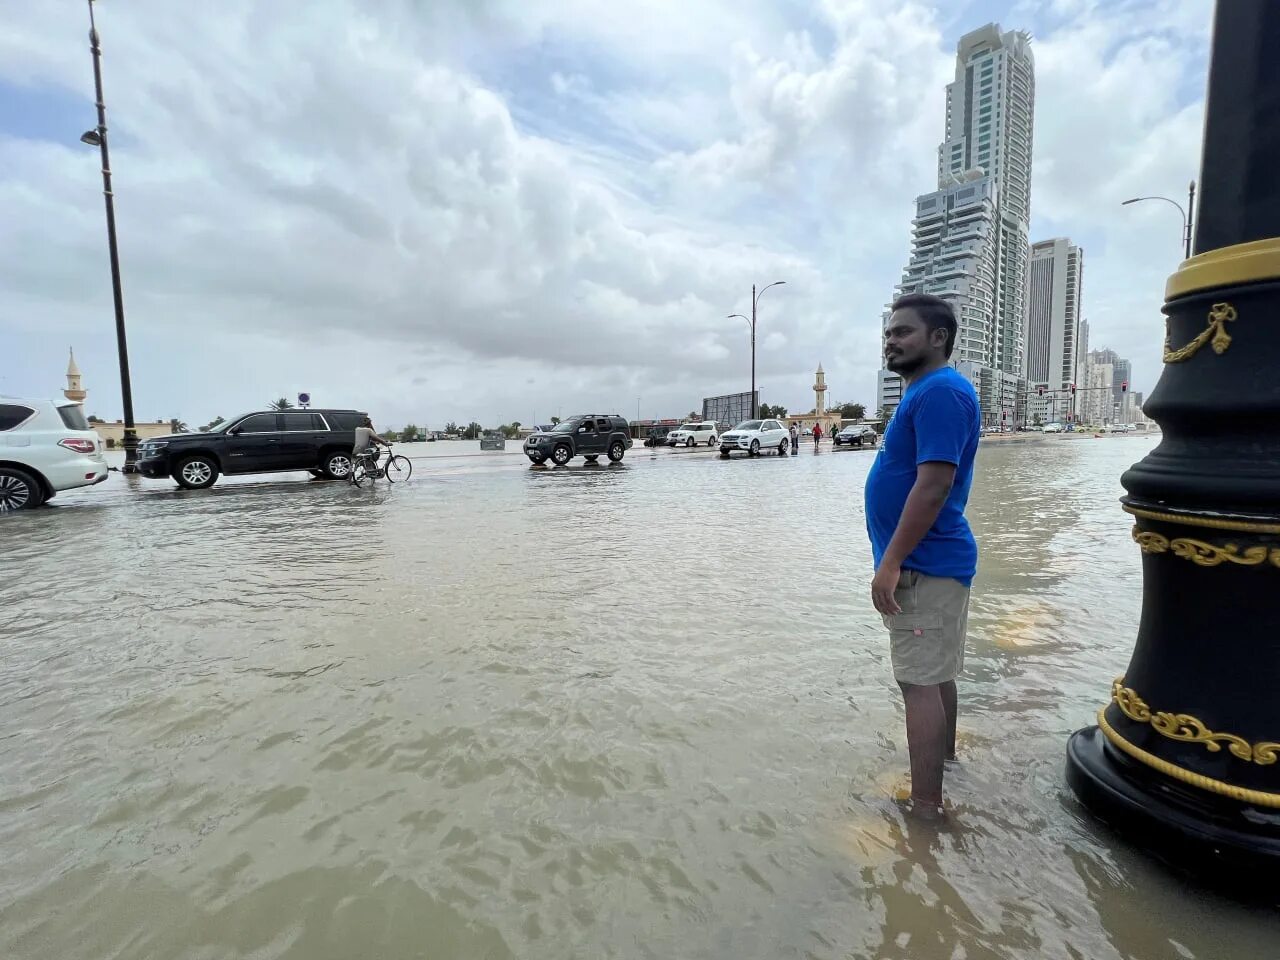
(1233,844)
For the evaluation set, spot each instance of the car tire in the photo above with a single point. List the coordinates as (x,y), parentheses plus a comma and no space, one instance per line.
(689,442)
(783,447)
(562,454)
(712,441)
(19,490)
(195,473)
(754,450)
(617,451)
(336,465)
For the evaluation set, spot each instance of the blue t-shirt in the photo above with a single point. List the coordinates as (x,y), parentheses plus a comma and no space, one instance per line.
(937,421)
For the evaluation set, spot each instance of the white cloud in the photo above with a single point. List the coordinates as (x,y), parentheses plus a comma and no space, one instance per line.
(529,206)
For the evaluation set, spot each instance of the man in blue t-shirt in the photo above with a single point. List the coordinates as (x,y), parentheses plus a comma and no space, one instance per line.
(924,551)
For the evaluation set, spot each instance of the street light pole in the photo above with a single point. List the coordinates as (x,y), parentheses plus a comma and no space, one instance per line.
(751,322)
(1186,214)
(98,138)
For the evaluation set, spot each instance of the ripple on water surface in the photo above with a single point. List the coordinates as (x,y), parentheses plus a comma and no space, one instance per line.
(635,711)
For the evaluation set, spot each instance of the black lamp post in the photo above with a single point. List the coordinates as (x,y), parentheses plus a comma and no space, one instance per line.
(1185,757)
(98,138)
(1187,214)
(751,322)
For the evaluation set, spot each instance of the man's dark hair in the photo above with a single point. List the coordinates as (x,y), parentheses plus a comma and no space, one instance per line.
(935,312)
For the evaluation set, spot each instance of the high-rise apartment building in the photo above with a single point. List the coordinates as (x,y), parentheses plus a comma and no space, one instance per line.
(1054,284)
(970,238)
(990,116)
(1094,405)
(953,256)
(1121,374)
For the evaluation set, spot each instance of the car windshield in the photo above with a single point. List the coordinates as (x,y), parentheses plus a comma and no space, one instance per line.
(218,426)
(567,427)
(748,425)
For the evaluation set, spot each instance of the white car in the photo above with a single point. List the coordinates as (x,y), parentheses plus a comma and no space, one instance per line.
(754,436)
(693,435)
(45,446)
(1054,428)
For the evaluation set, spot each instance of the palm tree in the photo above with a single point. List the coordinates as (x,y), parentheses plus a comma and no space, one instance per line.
(177,426)
(281,404)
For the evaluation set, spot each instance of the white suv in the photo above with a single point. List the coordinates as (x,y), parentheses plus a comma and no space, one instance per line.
(754,436)
(693,435)
(45,446)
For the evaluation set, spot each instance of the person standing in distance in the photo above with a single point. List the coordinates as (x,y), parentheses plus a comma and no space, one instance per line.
(925,554)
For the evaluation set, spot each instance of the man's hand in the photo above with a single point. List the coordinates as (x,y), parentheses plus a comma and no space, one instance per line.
(882,587)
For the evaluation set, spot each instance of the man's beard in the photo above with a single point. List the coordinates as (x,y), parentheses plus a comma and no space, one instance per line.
(901,365)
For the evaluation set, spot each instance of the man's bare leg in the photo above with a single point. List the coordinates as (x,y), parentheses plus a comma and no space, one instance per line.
(926,741)
(949,706)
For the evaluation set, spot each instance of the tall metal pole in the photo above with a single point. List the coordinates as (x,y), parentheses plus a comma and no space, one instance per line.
(1182,757)
(754,405)
(1191,215)
(122,345)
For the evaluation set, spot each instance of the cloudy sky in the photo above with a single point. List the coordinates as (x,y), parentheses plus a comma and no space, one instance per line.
(508,209)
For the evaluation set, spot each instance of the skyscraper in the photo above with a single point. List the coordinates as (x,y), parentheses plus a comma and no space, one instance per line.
(1054,286)
(990,116)
(970,238)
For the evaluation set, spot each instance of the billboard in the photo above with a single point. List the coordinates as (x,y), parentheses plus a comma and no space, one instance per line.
(729,410)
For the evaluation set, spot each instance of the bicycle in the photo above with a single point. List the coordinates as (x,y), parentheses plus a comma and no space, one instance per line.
(395,469)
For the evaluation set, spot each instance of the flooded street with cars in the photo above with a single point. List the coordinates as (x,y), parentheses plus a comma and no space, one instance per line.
(631,710)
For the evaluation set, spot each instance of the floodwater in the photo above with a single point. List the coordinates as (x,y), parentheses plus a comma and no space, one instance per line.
(636,711)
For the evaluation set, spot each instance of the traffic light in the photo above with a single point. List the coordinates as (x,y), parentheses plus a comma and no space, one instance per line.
(1124,386)
(1073,389)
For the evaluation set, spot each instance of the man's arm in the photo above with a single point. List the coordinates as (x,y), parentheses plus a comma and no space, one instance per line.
(924,503)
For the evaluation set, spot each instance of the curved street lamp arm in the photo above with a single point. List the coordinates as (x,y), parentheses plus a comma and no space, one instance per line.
(1166,200)
(775,283)
(732,315)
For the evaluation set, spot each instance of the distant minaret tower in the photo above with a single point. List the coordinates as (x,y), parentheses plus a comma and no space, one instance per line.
(819,393)
(74,391)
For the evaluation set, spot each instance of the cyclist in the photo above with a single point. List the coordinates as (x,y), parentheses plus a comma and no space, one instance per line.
(366,442)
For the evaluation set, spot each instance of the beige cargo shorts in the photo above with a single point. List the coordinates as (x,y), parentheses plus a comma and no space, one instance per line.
(926,640)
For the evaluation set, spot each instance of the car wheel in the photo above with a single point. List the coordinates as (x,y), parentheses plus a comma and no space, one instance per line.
(561,454)
(783,447)
(712,441)
(755,448)
(19,490)
(196,473)
(689,442)
(337,465)
(617,451)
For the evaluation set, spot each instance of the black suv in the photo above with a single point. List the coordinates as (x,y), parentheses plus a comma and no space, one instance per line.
(586,435)
(319,441)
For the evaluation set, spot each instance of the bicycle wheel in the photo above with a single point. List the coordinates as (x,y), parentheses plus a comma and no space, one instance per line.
(398,469)
(358,473)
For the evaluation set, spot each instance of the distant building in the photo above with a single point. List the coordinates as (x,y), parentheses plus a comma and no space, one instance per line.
(1096,401)
(829,419)
(74,390)
(1054,292)
(112,434)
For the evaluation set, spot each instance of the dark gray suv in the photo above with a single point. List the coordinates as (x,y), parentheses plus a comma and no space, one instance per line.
(586,435)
